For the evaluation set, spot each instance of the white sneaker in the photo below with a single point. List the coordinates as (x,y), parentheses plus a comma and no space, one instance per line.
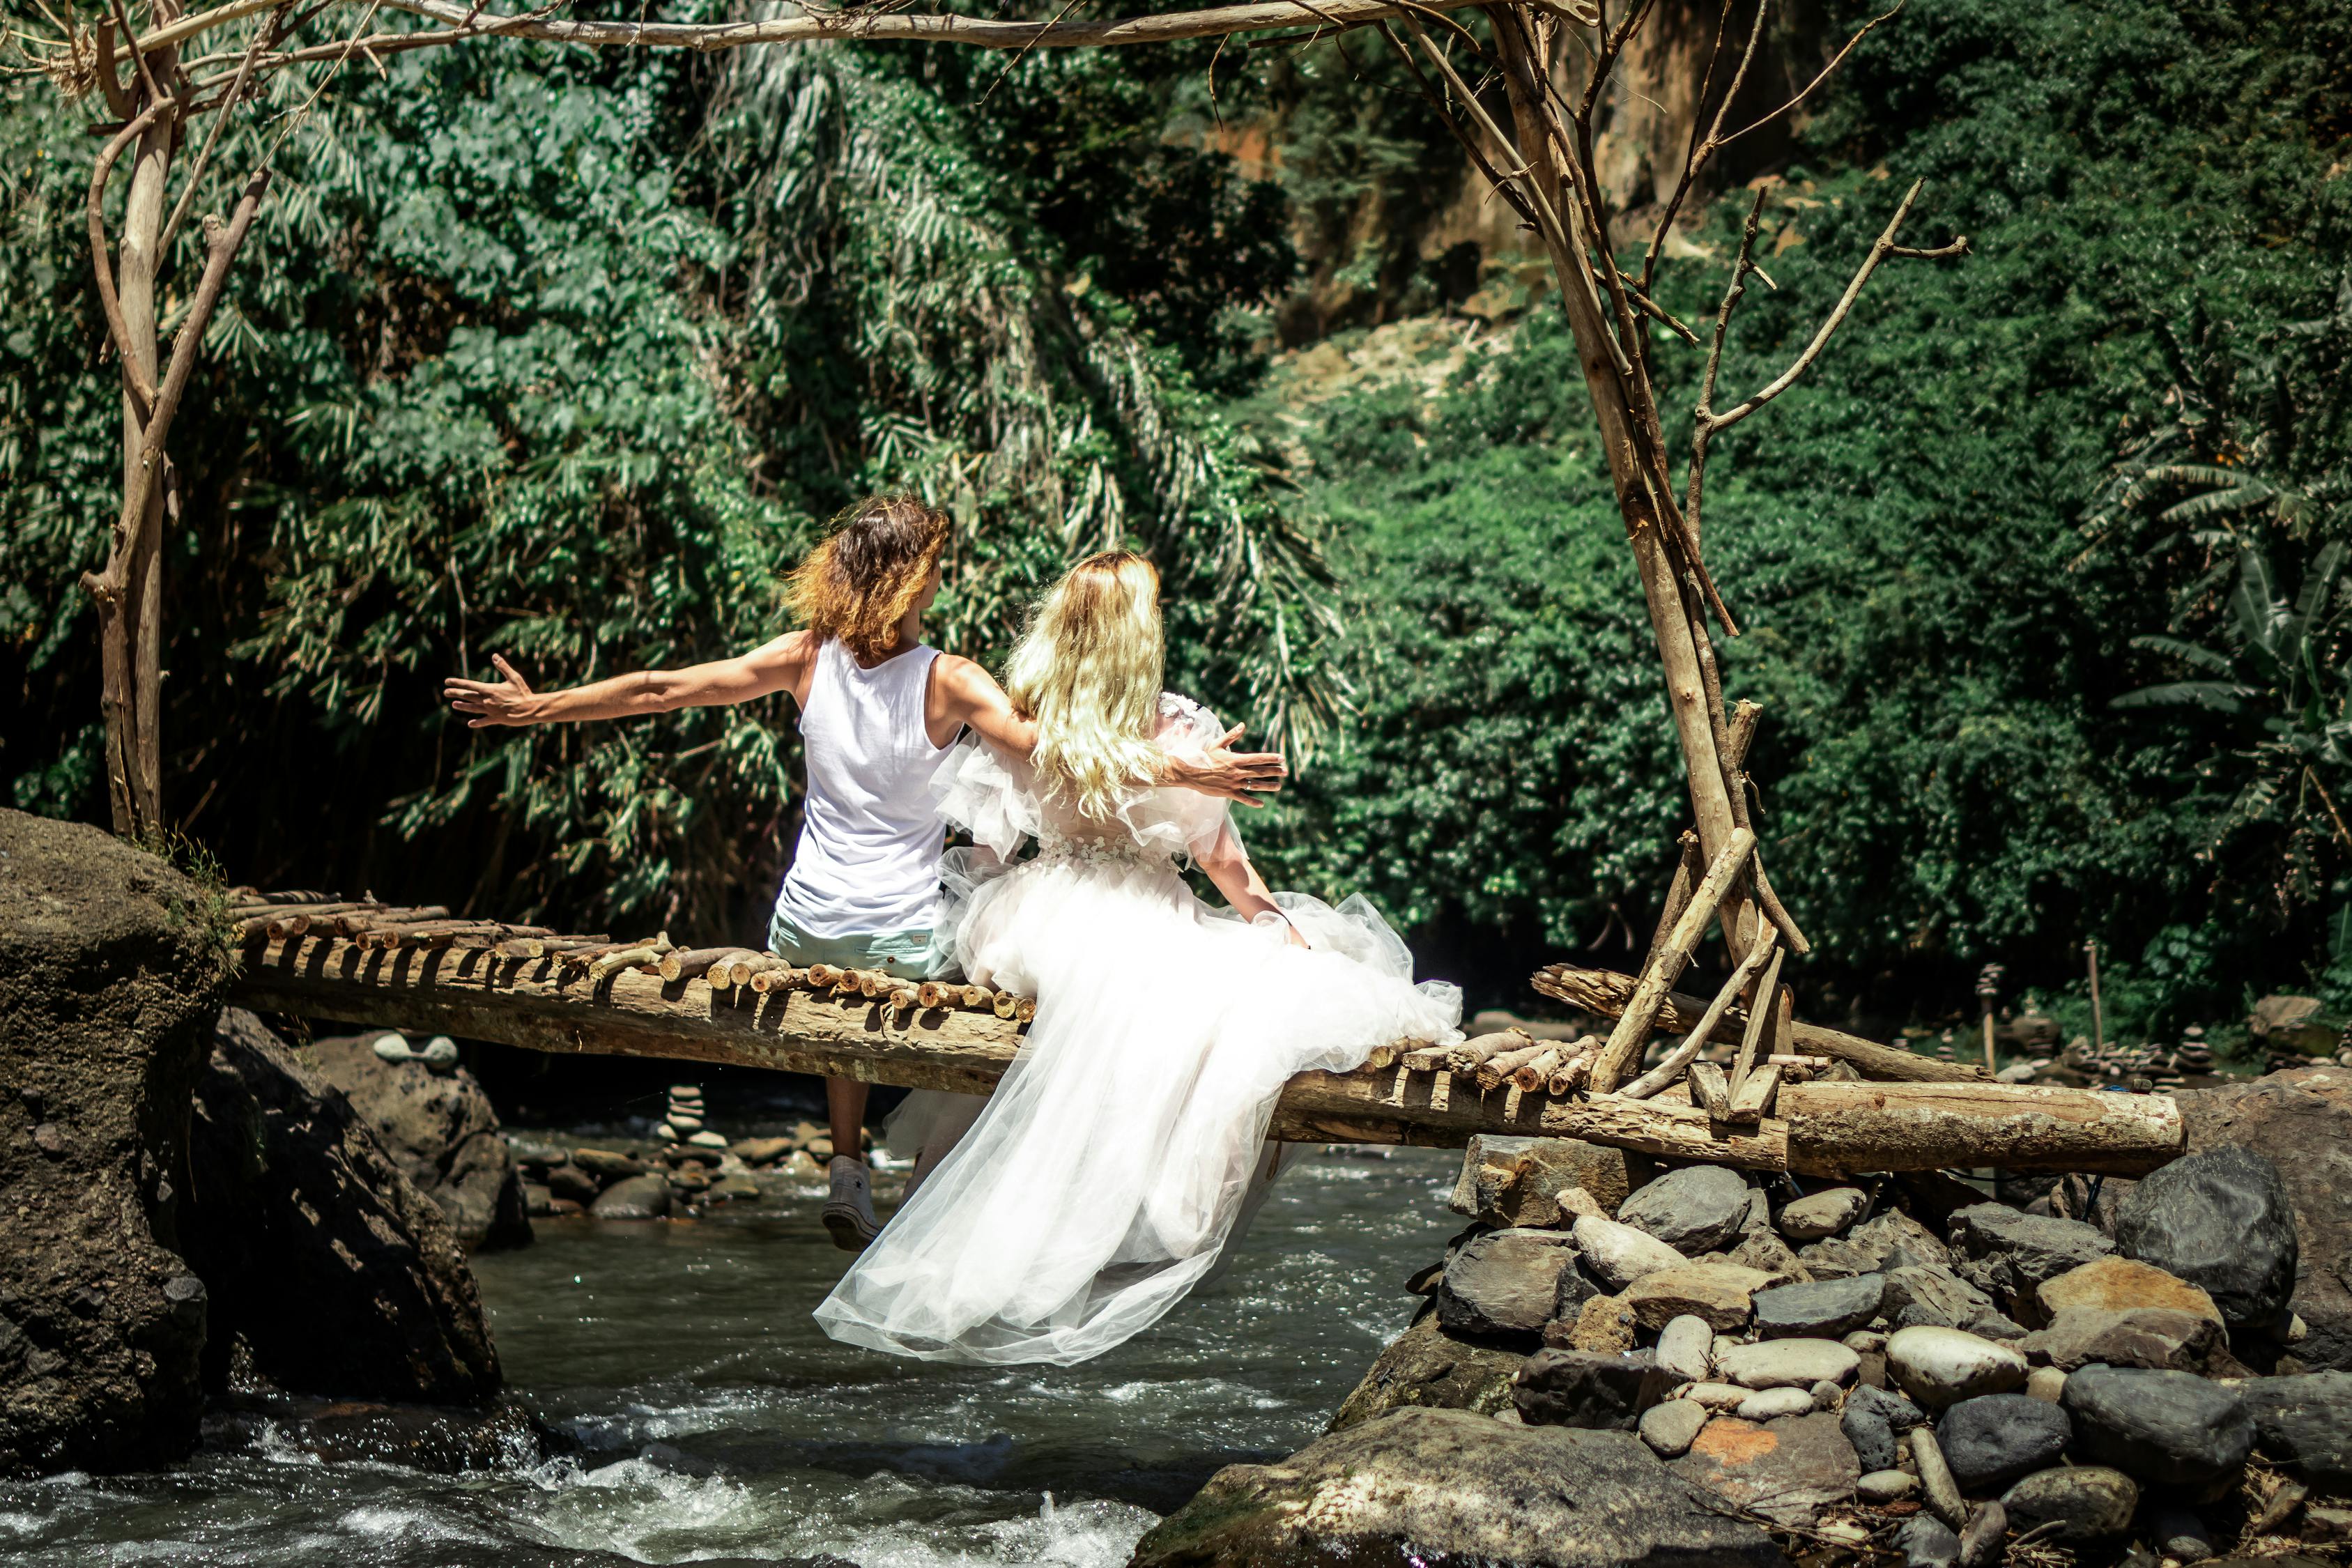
(849,1212)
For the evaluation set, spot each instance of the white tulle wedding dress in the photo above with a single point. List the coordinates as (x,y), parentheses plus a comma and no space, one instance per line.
(1126,1142)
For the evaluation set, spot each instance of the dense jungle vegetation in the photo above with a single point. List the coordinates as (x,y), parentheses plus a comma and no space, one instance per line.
(565,356)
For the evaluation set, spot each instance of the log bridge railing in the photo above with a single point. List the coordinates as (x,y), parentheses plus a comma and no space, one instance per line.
(360,963)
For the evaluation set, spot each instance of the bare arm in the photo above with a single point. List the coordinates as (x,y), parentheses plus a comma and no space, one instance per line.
(1228,866)
(963,694)
(781,665)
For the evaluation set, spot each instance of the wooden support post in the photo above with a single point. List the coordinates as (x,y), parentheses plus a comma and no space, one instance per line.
(1988,992)
(1753,1099)
(1672,1065)
(1711,1091)
(1762,1008)
(1666,966)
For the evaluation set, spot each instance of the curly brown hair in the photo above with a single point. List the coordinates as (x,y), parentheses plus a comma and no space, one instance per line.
(859,584)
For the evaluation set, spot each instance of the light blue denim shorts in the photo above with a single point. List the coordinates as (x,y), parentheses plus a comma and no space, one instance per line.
(908,954)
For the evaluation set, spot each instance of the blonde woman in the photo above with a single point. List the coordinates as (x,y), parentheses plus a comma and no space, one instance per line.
(1121,1150)
(878,709)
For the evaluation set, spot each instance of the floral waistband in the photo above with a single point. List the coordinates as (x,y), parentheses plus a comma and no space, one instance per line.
(1056,850)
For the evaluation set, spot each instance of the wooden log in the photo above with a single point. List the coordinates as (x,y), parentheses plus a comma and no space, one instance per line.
(930,994)
(1468,1055)
(1668,1131)
(902,998)
(1665,965)
(976,998)
(1688,869)
(1840,1129)
(1005,1003)
(1711,1090)
(764,974)
(1025,1009)
(1496,1069)
(1752,1100)
(1760,1011)
(1575,1067)
(1606,992)
(823,976)
(873,984)
(692,964)
(1428,1058)
(352,922)
(1671,1066)
(644,955)
(1534,1075)
(1382,1056)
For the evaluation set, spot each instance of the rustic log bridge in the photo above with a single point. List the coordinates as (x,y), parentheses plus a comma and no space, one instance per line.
(549,1005)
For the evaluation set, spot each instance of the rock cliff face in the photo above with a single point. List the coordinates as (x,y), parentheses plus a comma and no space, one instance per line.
(109,974)
(336,1274)
(442,1131)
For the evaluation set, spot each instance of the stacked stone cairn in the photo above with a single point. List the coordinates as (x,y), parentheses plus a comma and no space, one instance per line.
(1899,1368)
(683,1170)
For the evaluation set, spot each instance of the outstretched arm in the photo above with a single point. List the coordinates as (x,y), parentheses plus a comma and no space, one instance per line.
(1228,866)
(779,666)
(964,694)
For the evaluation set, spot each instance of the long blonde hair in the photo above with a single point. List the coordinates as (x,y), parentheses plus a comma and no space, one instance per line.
(860,582)
(1088,672)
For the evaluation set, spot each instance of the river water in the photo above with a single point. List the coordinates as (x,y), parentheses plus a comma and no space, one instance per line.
(714,1423)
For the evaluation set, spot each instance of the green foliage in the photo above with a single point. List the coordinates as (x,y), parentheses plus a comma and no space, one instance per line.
(1944,778)
(565,355)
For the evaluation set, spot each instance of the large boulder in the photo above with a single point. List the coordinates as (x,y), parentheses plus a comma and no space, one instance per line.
(1695,1210)
(111,964)
(1442,1486)
(1505,1282)
(2222,1221)
(2169,1429)
(2301,1122)
(442,1131)
(1427,1367)
(337,1274)
(1786,1470)
(2306,1421)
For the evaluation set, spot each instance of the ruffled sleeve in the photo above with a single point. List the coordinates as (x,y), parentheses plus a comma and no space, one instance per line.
(988,796)
(1179,821)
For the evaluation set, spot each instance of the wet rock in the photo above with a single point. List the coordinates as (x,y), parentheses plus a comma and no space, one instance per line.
(1879,1487)
(2222,1221)
(1441,1485)
(1823,1307)
(440,1128)
(1695,1210)
(1926,1295)
(2305,1421)
(2147,1337)
(2177,1532)
(109,975)
(1719,1293)
(2122,1285)
(607,1166)
(438,1440)
(1617,1255)
(1581,1388)
(1819,1215)
(1789,1363)
(1425,1366)
(633,1198)
(1505,1282)
(2087,1502)
(2008,1254)
(2301,1121)
(1670,1428)
(570,1183)
(1603,1325)
(2171,1429)
(366,1294)
(1925,1543)
(1685,1348)
(1785,1471)
(1993,1439)
(1938,1366)
(1774,1404)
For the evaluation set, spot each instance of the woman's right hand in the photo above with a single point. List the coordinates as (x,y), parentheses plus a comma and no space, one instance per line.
(509,702)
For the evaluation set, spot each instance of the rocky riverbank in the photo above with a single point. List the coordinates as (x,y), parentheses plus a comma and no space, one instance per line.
(1901,1369)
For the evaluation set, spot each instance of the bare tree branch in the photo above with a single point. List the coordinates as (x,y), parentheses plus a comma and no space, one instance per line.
(1707,423)
(134,381)
(461,22)
(264,37)
(1835,61)
(1703,148)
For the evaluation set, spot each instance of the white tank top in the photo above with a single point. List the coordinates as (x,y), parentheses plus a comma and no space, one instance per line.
(868,857)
